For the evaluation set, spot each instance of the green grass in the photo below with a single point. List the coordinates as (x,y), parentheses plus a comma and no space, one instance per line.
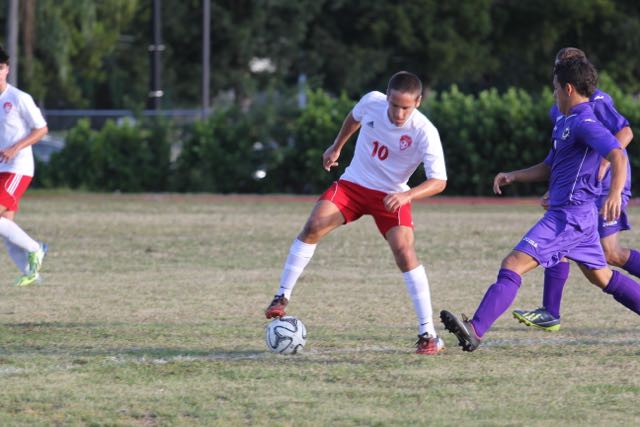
(151,313)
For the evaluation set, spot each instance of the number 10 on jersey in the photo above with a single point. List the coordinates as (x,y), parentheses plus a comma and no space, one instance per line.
(380,150)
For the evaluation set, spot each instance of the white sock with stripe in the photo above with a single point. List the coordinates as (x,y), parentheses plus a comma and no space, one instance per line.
(16,235)
(18,255)
(300,254)
(418,287)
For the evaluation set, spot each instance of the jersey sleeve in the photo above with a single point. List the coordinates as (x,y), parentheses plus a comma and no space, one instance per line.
(433,159)
(593,133)
(361,107)
(30,113)
(554,113)
(549,159)
(605,111)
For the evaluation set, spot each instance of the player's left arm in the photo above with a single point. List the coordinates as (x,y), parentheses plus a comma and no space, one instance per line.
(33,137)
(606,111)
(435,170)
(429,188)
(613,204)
(624,137)
(595,135)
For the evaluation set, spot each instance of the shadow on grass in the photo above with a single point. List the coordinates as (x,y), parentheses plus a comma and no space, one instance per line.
(119,341)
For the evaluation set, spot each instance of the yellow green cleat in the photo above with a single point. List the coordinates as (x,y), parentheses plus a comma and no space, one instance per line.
(35,259)
(539,318)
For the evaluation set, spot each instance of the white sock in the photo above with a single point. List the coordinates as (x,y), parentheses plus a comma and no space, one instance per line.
(18,255)
(300,254)
(16,235)
(418,287)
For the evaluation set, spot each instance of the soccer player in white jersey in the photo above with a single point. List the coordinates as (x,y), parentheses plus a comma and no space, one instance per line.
(21,126)
(394,139)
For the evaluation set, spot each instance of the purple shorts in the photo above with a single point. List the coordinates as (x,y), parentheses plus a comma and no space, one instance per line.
(565,233)
(621,224)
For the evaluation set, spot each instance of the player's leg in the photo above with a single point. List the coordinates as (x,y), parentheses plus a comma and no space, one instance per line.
(337,206)
(543,245)
(324,218)
(17,254)
(12,187)
(547,317)
(619,256)
(497,299)
(624,289)
(401,241)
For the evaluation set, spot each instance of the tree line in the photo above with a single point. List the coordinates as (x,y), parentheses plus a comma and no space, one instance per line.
(88,54)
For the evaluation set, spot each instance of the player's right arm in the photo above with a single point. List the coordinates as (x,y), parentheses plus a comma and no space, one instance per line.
(330,157)
(539,172)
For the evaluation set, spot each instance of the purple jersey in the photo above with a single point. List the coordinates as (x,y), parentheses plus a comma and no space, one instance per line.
(605,111)
(579,142)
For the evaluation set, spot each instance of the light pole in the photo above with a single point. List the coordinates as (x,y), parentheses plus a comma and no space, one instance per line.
(12,41)
(155,49)
(206,54)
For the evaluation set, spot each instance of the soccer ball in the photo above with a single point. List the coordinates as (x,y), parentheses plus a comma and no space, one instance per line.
(286,335)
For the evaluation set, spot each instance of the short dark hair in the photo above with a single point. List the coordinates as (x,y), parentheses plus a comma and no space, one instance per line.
(4,57)
(579,72)
(570,53)
(405,82)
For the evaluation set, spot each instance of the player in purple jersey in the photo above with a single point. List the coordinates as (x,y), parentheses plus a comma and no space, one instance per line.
(569,228)
(547,317)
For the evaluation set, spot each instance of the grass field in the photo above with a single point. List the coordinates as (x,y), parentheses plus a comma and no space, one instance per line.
(151,313)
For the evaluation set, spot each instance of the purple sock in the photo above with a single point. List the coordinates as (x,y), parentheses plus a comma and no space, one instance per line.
(625,290)
(496,301)
(633,263)
(554,280)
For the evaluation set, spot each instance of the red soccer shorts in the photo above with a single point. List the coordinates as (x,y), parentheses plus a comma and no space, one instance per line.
(354,200)
(12,187)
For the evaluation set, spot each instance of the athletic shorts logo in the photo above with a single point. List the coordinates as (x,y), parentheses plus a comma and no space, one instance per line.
(609,223)
(370,124)
(7,106)
(530,241)
(405,142)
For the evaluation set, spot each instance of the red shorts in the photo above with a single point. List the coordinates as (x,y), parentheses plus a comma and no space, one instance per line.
(354,200)
(12,187)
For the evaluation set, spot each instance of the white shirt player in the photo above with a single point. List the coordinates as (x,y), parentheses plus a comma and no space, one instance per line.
(19,115)
(386,155)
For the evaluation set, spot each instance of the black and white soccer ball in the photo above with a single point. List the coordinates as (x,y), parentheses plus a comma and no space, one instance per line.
(286,335)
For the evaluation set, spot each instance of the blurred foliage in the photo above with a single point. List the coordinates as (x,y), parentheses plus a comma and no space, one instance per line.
(127,156)
(275,147)
(87,54)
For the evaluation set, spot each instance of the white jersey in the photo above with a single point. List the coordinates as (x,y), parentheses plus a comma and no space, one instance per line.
(386,155)
(19,116)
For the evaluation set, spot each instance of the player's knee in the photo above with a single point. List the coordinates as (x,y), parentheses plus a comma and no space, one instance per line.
(406,258)
(313,229)
(615,256)
(509,262)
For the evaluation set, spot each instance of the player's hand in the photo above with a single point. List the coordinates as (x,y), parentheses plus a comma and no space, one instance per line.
(612,207)
(8,154)
(503,178)
(394,201)
(329,158)
(544,202)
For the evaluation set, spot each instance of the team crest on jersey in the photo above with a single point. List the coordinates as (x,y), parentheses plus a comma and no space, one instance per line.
(565,133)
(7,107)
(405,142)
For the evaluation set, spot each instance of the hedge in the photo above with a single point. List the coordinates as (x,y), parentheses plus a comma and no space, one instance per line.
(276,147)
